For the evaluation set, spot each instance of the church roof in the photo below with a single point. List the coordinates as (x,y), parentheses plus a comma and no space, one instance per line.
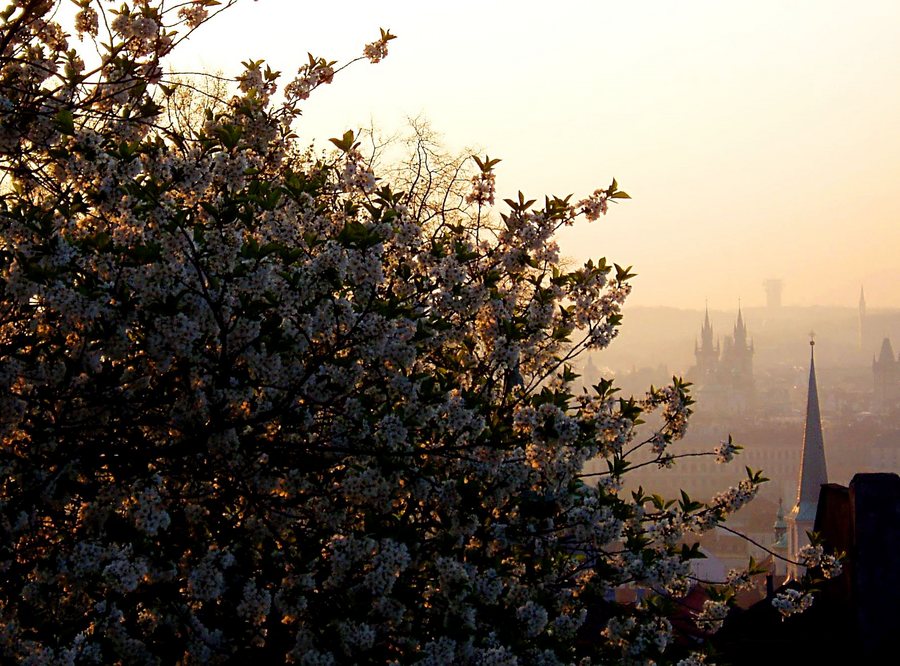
(813,472)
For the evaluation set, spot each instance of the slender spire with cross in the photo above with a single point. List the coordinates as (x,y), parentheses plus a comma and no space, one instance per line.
(813,471)
(862,317)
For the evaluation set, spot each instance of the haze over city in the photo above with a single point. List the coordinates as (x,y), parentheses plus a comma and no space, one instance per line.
(757,140)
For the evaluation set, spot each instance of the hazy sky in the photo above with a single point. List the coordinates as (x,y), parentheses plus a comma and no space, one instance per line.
(757,139)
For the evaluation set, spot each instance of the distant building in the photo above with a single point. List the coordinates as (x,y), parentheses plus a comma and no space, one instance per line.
(780,544)
(736,366)
(723,373)
(590,374)
(886,375)
(707,355)
(773,293)
(862,318)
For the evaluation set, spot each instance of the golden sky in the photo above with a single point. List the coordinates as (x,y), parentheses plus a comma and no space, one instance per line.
(757,139)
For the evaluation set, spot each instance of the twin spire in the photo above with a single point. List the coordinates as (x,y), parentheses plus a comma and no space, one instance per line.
(706,332)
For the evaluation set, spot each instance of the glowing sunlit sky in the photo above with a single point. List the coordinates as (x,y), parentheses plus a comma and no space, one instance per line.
(757,139)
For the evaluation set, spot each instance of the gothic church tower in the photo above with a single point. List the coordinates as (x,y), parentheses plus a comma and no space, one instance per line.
(706,353)
(741,354)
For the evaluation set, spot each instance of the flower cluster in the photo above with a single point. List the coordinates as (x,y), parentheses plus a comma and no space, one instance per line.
(194,13)
(598,203)
(739,579)
(813,556)
(726,451)
(712,616)
(634,636)
(730,500)
(378,50)
(149,514)
(309,77)
(791,601)
(357,176)
(595,205)
(87,21)
(483,186)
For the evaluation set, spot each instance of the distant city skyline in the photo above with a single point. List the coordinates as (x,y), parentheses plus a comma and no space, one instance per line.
(665,338)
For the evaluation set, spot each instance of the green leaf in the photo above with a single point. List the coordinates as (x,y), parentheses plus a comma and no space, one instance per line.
(356,234)
(623,274)
(691,552)
(150,109)
(345,143)
(64,122)
(229,135)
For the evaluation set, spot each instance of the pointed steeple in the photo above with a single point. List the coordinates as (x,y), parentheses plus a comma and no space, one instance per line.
(706,333)
(813,472)
(589,367)
(886,355)
(706,353)
(862,318)
(740,330)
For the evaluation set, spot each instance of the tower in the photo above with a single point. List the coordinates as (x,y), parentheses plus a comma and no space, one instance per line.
(886,373)
(773,293)
(813,472)
(736,367)
(724,373)
(590,373)
(706,353)
(742,362)
(862,316)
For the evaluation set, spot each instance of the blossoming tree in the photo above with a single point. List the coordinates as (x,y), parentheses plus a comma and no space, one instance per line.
(257,405)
